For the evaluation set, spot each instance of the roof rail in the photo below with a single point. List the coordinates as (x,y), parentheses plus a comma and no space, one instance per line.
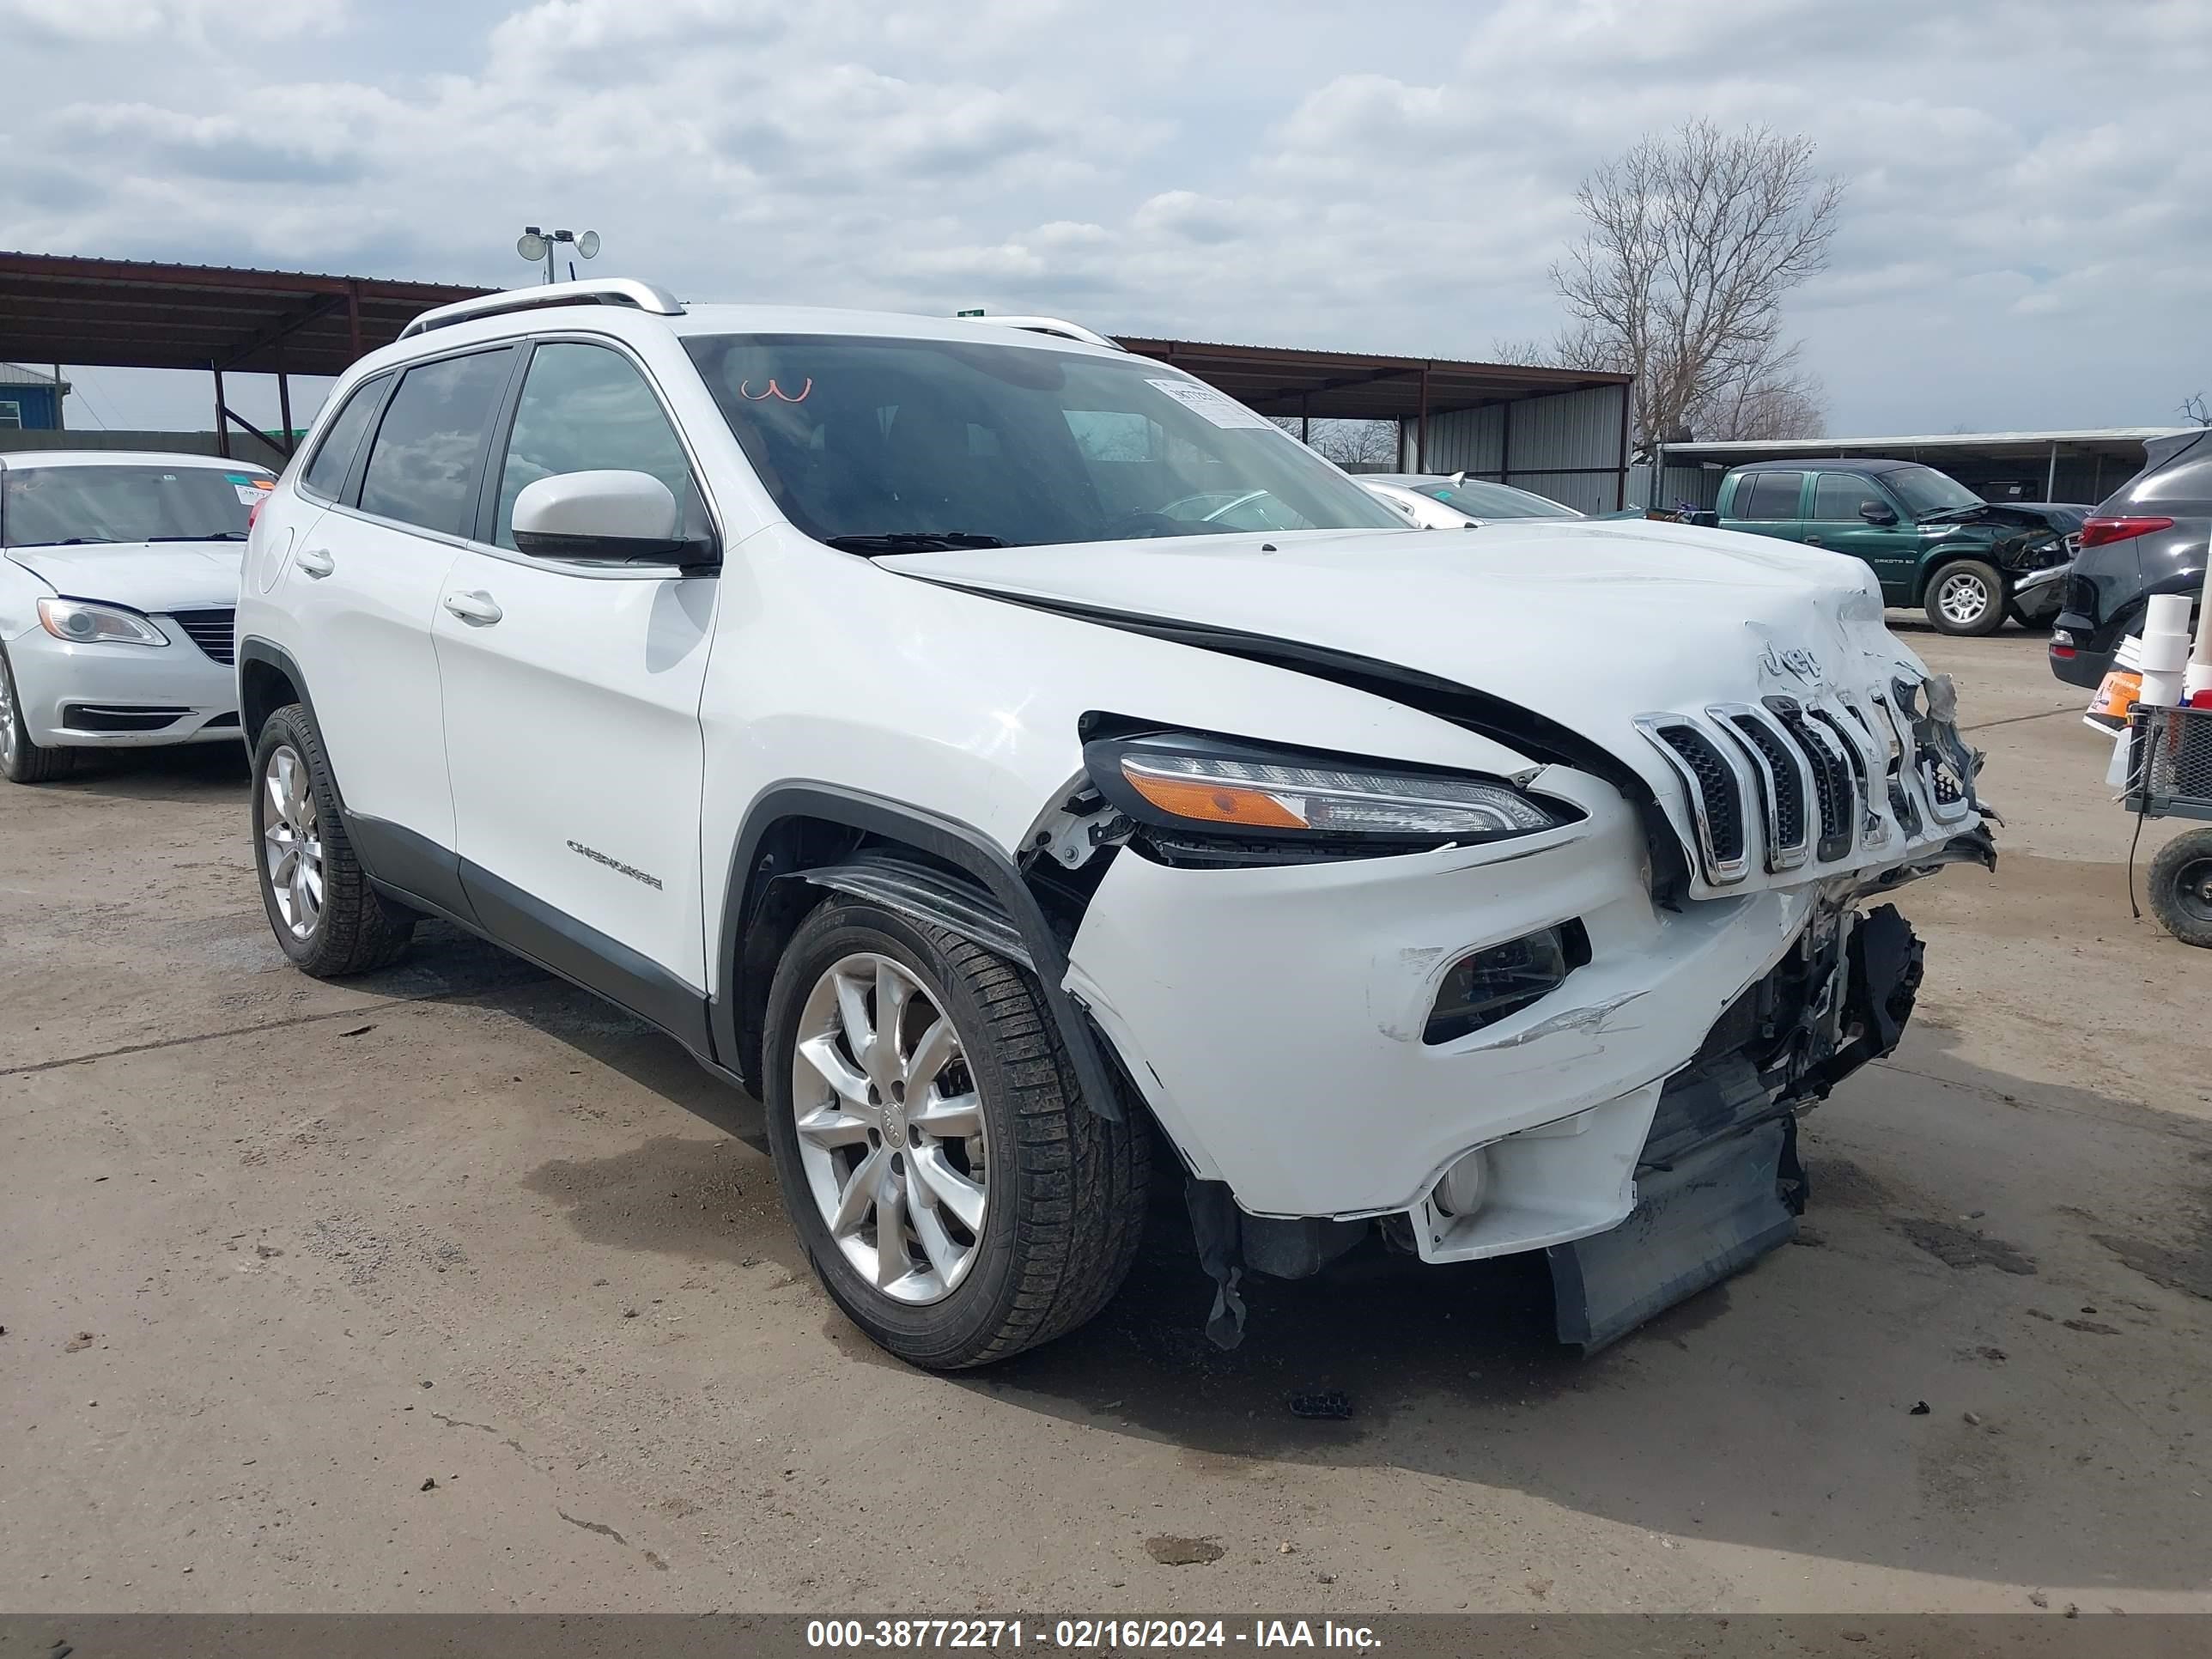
(1066,330)
(592,291)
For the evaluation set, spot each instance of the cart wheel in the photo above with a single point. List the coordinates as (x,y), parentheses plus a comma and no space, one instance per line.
(2181,887)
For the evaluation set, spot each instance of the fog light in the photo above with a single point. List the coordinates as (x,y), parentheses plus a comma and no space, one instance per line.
(1485,987)
(1465,1185)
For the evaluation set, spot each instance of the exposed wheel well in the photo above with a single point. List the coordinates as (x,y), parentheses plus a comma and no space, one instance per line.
(800,826)
(773,907)
(262,688)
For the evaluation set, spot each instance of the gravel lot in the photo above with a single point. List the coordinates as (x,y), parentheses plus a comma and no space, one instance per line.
(275,1256)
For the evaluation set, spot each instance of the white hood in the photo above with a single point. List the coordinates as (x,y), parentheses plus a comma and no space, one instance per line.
(1591,623)
(1597,626)
(152,576)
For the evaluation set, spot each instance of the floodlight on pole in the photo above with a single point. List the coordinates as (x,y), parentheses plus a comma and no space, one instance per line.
(534,245)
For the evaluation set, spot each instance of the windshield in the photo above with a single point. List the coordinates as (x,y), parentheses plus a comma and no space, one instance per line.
(1924,491)
(890,446)
(1479,500)
(43,506)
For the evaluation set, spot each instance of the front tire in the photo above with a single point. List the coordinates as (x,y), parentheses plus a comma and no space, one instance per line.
(2181,887)
(1967,597)
(956,1197)
(21,760)
(326,917)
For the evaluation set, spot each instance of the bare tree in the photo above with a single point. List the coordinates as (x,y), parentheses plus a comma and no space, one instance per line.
(1780,398)
(1349,443)
(2195,411)
(1528,353)
(1693,240)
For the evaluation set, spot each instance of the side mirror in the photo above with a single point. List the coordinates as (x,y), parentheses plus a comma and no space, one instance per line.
(606,517)
(1877,513)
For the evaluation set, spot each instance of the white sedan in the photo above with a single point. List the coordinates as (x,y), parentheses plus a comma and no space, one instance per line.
(119,590)
(1452,503)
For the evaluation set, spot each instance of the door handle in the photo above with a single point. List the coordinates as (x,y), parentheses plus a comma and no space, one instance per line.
(315,561)
(477,608)
(1815,541)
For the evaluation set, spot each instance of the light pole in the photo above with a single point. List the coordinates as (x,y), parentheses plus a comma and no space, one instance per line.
(534,245)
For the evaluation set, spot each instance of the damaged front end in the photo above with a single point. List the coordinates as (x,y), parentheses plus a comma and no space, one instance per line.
(1558,1079)
(1718,1183)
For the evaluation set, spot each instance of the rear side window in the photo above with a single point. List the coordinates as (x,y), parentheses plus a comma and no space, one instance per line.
(2183,487)
(333,458)
(428,452)
(582,408)
(1839,495)
(1767,497)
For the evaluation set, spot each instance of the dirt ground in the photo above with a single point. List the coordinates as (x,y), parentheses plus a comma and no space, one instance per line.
(277,1256)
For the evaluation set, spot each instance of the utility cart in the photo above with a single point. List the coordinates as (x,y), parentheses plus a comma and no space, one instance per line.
(2170,775)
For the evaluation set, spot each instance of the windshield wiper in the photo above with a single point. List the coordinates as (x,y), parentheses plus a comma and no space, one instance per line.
(915,541)
(213,536)
(75,541)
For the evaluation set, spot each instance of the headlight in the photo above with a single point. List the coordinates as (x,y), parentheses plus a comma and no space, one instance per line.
(1190,782)
(81,622)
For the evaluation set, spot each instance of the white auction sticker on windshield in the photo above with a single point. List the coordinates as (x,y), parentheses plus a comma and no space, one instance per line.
(1218,407)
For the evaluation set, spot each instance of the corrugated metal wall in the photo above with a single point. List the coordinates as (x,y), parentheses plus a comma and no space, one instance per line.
(1567,445)
(1467,439)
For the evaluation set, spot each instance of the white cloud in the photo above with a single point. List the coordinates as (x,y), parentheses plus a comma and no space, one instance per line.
(198,20)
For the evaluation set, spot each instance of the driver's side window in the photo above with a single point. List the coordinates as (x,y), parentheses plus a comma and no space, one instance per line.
(1837,497)
(583,408)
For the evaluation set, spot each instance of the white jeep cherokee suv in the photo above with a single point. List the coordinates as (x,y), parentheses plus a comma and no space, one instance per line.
(886,708)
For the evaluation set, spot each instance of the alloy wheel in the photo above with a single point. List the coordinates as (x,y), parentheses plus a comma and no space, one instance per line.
(1963,597)
(7,717)
(291,841)
(890,1127)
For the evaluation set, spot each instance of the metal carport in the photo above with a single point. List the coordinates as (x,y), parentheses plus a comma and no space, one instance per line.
(130,314)
(1561,431)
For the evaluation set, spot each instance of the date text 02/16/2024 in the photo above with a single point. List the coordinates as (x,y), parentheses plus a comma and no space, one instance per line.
(1083,1633)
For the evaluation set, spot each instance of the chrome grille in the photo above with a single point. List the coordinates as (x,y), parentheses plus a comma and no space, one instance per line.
(1717,791)
(1902,806)
(1870,825)
(1833,795)
(213,631)
(1781,780)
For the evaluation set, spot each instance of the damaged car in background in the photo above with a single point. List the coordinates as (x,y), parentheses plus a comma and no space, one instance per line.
(1968,564)
(1017,837)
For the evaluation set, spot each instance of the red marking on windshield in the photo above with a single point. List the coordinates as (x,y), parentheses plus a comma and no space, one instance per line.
(774,390)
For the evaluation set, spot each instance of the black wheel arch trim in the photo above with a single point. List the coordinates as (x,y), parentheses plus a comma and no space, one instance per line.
(753,874)
(254,649)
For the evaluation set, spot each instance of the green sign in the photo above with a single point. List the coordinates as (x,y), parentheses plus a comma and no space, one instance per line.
(976,313)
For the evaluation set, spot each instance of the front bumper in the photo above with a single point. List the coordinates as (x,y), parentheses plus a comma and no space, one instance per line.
(123,696)
(1275,1019)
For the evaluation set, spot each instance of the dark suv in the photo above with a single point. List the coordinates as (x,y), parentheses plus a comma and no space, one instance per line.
(1932,542)
(2149,538)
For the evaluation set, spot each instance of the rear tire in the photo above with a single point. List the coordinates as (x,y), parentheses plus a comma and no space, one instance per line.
(326,917)
(2181,888)
(1966,597)
(1062,1191)
(21,760)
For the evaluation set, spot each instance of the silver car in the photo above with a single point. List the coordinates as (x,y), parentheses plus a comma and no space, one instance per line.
(119,592)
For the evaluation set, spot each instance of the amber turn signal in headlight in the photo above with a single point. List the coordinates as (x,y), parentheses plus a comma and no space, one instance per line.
(1186,780)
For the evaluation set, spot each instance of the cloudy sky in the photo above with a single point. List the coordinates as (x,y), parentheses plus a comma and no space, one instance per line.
(2025,240)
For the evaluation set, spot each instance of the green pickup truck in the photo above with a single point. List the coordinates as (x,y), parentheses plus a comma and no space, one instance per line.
(1932,542)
